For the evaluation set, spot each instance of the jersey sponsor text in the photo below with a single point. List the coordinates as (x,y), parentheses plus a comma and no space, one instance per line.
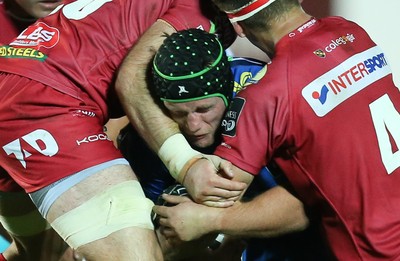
(347,79)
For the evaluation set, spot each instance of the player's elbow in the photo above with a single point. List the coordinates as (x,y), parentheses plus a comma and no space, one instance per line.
(299,219)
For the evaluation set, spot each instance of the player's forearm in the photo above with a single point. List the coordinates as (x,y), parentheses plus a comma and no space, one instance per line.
(131,85)
(147,118)
(273,213)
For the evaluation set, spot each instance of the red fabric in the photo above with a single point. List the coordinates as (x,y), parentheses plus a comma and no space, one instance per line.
(324,112)
(2,258)
(75,51)
(49,144)
(78,51)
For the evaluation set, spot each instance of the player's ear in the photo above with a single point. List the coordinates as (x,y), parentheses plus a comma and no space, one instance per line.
(238,29)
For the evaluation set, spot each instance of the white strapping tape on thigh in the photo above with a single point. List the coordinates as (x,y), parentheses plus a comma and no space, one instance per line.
(121,206)
(26,225)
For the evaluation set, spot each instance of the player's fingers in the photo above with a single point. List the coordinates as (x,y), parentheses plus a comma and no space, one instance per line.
(225,169)
(174,199)
(161,211)
(223,192)
(219,204)
(217,195)
(213,198)
(164,224)
(235,198)
(219,199)
(167,232)
(236,187)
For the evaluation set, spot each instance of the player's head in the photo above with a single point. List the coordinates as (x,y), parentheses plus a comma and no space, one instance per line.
(258,19)
(192,65)
(192,76)
(31,9)
(255,11)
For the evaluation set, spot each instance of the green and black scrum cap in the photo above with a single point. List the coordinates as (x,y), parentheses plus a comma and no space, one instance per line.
(192,65)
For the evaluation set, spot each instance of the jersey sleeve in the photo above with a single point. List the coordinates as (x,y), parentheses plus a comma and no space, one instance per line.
(248,136)
(184,14)
(138,16)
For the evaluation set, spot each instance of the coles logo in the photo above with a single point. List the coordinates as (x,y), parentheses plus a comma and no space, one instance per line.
(37,36)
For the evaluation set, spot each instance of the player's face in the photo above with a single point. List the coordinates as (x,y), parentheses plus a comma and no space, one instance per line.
(38,8)
(198,120)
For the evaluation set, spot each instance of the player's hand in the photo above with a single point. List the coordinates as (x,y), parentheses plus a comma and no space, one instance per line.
(184,221)
(210,182)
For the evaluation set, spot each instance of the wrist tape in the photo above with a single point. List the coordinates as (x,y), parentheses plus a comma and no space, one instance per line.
(177,155)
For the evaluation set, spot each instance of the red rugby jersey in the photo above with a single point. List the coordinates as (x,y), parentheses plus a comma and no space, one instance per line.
(78,48)
(327,112)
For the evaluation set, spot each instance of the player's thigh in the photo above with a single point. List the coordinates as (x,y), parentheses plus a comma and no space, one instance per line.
(110,213)
(139,244)
(94,184)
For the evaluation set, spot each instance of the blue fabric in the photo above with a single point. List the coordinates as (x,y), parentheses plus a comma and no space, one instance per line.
(3,244)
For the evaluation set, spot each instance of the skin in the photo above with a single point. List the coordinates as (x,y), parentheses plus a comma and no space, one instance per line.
(135,97)
(145,241)
(198,120)
(280,213)
(267,39)
(114,126)
(31,9)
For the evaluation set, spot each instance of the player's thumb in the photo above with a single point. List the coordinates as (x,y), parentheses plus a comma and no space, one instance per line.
(225,169)
(174,199)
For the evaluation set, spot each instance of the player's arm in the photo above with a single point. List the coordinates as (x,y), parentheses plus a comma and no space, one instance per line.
(272,213)
(159,131)
(131,85)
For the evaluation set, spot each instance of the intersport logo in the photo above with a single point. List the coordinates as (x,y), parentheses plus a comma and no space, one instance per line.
(356,73)
(37,36)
